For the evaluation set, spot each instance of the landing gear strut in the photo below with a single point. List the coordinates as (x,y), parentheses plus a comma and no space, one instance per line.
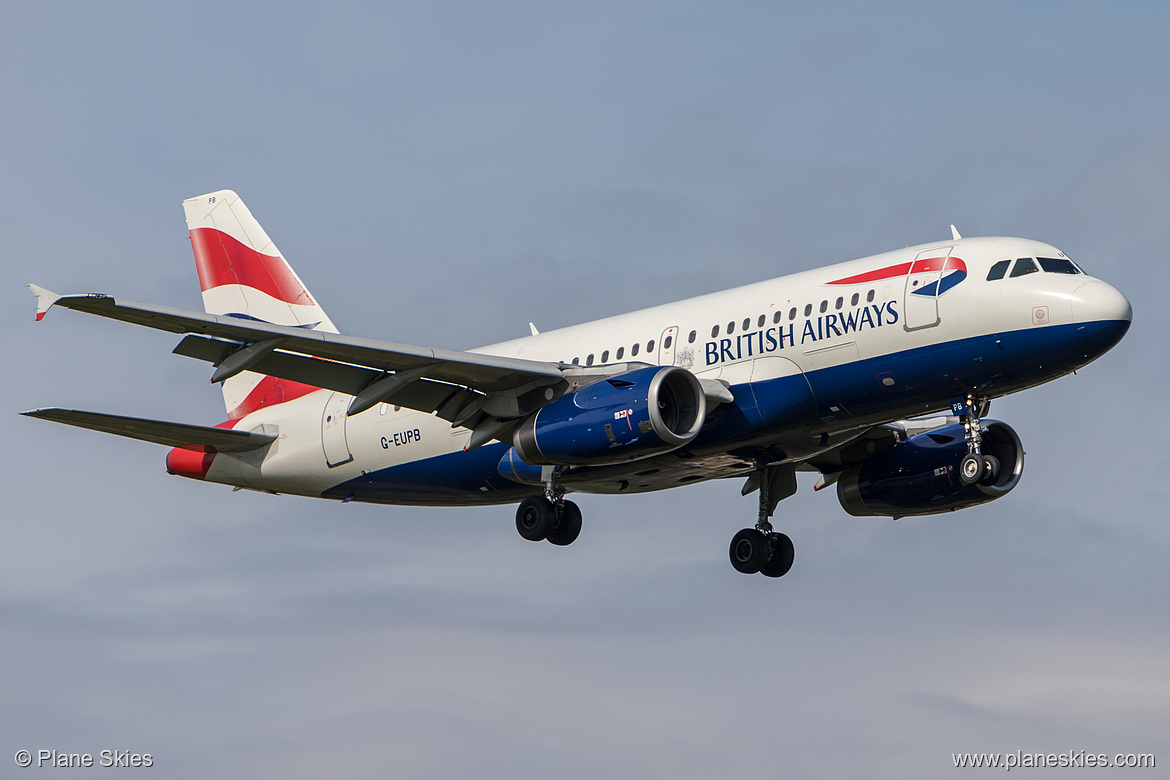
(975,466)
(549,517)
(761,549)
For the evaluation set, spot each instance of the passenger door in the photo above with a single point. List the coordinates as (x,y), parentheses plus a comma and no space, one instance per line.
(333,430)
(920,303)
(667,346)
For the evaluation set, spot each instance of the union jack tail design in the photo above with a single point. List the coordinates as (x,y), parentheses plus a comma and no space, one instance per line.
(243,274)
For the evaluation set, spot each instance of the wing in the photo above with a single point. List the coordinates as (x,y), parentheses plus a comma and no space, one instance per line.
(482,392)
(199,438)
(483,372)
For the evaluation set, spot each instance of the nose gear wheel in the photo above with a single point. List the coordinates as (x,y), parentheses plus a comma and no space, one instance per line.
(975,466)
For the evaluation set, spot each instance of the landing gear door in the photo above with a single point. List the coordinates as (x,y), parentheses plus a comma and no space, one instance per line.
(333,430)
(921,300)
(667,346)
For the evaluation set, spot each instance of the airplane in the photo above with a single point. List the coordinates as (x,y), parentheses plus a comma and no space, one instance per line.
(877,374)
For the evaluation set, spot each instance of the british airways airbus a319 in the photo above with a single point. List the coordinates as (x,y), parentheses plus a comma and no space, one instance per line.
(834,370)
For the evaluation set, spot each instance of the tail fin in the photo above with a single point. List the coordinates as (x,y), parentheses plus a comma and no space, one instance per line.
(243,274)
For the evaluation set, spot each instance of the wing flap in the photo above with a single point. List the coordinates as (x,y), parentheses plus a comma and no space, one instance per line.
(423,395)
(200,438)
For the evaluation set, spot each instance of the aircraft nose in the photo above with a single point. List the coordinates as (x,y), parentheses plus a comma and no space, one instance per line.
(1095,301)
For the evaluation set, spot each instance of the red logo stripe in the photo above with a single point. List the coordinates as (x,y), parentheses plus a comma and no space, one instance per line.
(938,264)
(221,259)
(902,269)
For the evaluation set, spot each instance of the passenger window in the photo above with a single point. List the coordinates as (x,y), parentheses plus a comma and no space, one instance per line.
(576,361)
(747,323)
(760,323)
(824,306)
(691,338)
(1024,266)
(1058,265)
(998,270)
(840,303)
(621,351)
(634,350)
(792,313)
(869,297)
(666,342)
(650,345)
(730,328)
(853,301)
(807,309)
(777,316)
(715,332)
(605,356)
(589,360)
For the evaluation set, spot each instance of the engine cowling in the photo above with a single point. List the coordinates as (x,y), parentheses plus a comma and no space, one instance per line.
(920,476)
(616,420)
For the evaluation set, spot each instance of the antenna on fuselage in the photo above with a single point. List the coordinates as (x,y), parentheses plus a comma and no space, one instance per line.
(955,233)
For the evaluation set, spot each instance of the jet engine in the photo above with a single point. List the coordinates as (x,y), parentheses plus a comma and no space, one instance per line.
(616,420)
(920,476)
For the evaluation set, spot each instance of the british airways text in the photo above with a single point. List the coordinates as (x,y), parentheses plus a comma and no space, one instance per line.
(761,342)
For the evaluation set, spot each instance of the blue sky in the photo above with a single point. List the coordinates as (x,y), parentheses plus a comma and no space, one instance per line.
(442,174)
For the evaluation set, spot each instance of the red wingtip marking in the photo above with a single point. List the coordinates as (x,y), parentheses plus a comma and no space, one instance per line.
(40,315)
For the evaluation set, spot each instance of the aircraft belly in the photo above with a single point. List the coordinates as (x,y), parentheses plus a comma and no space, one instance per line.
(454,478)
(658,473)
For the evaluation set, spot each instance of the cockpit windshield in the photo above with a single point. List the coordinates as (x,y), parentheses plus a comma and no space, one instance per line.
(1058,265)
(1027,265)
(1024,266)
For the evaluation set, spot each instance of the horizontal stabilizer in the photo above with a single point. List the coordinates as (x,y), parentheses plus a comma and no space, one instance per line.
(200,438)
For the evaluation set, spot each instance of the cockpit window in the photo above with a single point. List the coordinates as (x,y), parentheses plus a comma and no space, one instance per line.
(998,270)
(1058,265)
(1024,266)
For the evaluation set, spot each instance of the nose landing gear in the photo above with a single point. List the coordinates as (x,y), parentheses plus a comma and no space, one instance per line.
(975,466)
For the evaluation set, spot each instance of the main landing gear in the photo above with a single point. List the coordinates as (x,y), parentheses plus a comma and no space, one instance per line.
(549,517)
(975,466)
(761,549)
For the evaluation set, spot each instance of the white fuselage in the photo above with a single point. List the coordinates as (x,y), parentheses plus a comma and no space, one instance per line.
(811,357)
